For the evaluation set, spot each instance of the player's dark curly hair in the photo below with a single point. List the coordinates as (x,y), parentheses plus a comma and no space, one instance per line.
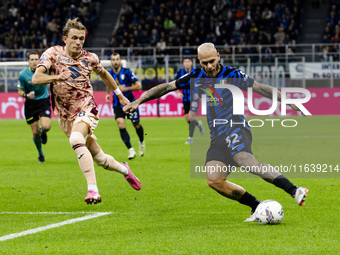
(73,23)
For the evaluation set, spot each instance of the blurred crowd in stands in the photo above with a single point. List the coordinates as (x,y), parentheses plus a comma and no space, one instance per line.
(331,33)
(244,24)
(37,24)
(223,22)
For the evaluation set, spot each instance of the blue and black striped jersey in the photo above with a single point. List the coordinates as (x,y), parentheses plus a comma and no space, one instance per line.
(221,106)
(125,78)
(186,92)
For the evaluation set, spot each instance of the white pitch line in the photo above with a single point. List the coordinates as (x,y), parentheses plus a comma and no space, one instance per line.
(51,212)
(55,225)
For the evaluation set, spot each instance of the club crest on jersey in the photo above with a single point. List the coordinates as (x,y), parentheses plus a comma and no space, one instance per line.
(122,76)
(65,60)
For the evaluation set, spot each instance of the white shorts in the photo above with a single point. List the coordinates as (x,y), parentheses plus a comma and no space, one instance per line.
(86,117)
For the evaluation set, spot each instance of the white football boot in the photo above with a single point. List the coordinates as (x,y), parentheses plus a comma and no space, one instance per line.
(250,218)
(300,195)
(189,141)
(132,153)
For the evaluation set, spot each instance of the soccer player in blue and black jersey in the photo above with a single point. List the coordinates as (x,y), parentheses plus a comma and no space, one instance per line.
(127,82)
(189,110)
(230,144)
(37,104)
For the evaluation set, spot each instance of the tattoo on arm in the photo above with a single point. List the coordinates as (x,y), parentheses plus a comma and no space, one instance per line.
(158,91)
(265,90)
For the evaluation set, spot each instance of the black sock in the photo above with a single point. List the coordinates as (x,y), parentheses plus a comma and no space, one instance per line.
(250,200)
(140,133)
(125,137)
(283,183)
(192,125)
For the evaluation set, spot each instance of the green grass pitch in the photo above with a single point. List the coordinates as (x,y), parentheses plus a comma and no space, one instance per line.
(173,213)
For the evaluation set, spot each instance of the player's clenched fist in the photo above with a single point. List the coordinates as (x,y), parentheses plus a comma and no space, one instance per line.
(64,75)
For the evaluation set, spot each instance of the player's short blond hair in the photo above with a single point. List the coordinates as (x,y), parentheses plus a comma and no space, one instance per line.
(73,23)
(206,46)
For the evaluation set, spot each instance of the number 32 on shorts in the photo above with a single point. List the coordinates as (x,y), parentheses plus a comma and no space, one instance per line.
(232,141)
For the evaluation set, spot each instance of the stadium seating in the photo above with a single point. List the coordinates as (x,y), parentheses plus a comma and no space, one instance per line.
(331,33)
(38,24)
(179,23)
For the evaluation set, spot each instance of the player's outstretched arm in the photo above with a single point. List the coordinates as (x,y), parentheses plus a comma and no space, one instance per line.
(108,80)
(267,91)
(152,93)
(41,78)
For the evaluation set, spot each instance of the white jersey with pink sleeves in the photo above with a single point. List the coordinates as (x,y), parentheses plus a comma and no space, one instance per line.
(75,94)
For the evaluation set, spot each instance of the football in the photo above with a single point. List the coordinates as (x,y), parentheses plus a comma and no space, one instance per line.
(269,212)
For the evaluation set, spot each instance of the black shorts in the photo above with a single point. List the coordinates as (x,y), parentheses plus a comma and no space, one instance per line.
(34,109)
(223,149)
(133,116)
(186,107)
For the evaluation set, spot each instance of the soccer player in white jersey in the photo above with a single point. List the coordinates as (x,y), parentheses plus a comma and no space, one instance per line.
(69,69)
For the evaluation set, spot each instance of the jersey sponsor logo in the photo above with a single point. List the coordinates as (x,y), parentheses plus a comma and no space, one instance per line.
(65,60)
(211,94)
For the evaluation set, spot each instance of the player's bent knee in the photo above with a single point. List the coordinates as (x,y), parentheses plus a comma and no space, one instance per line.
(77,139)
(215,183)
(100,158)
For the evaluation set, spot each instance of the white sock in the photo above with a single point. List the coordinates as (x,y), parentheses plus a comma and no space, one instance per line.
(93,187)
(124,170)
